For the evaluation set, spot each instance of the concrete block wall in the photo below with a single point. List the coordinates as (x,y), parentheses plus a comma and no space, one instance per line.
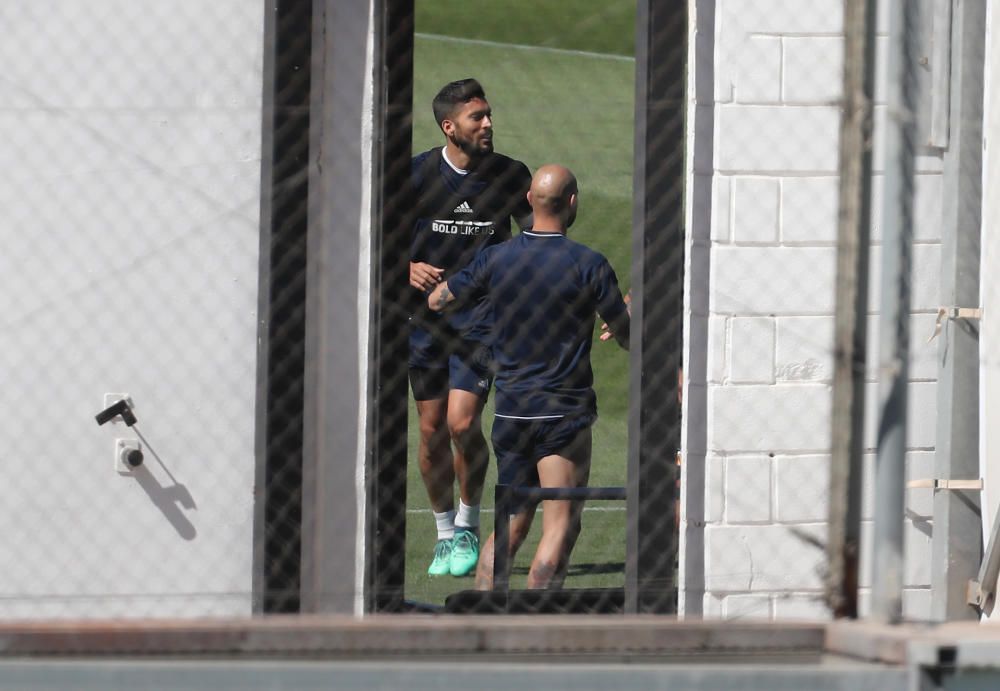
(759,323)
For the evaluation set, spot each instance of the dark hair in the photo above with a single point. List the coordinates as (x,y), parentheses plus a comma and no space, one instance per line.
(454,94)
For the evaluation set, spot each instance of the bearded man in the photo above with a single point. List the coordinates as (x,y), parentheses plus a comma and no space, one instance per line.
(465,196)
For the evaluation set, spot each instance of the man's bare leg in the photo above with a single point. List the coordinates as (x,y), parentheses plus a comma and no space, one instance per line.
(471,456)
(520,524)
(560,518)
(437,469)
(434,455)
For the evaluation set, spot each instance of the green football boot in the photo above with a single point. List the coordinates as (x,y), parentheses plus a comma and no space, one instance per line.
(464,552)
(441,566)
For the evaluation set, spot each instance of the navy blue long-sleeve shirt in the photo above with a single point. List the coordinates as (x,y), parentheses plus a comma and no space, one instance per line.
(546,291)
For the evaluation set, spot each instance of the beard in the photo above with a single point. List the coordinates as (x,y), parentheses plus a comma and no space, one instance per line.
(472,148)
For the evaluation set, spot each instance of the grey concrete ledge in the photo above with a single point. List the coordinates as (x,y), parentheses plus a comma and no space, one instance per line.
(971,643)
(388,636)
(597,638)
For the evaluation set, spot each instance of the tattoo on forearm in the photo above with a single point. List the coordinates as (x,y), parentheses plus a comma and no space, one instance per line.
(443,297)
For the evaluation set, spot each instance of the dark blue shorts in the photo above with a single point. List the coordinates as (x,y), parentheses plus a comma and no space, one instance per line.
(520,444)
(439,365)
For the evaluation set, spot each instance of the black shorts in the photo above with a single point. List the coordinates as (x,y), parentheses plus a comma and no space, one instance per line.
(520,444)
(437,367)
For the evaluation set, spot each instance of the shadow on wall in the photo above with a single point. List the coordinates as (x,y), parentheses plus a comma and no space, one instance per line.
(172,499)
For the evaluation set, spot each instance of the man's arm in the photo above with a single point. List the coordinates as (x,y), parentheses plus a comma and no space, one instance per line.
(618,328)
(613,309)
(606,332)
(440,297)
(423,276)
(465,285)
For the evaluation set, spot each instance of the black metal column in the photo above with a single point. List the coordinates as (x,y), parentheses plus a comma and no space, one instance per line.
(657,302)
(281,314)
(386,547)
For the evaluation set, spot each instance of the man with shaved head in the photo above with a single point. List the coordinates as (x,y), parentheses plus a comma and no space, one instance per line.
(546,292)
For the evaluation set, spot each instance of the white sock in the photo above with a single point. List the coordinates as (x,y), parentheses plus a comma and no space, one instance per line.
(467,517)
(445,524)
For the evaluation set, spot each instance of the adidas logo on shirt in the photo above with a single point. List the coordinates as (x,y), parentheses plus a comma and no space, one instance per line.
(463,208)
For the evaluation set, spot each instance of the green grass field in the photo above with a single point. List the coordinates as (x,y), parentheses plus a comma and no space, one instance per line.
(561,85)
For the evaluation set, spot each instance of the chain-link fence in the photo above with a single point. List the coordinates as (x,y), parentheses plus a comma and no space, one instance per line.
(131,195)
(343,331)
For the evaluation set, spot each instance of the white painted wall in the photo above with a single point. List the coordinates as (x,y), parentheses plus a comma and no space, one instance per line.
(129,217)
(761,250)
(989,334)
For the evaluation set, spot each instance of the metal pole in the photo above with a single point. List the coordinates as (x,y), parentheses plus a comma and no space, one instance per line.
(890,469)
(282,292)
(657,272)
(850,321)
(387,419)
(956,546)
